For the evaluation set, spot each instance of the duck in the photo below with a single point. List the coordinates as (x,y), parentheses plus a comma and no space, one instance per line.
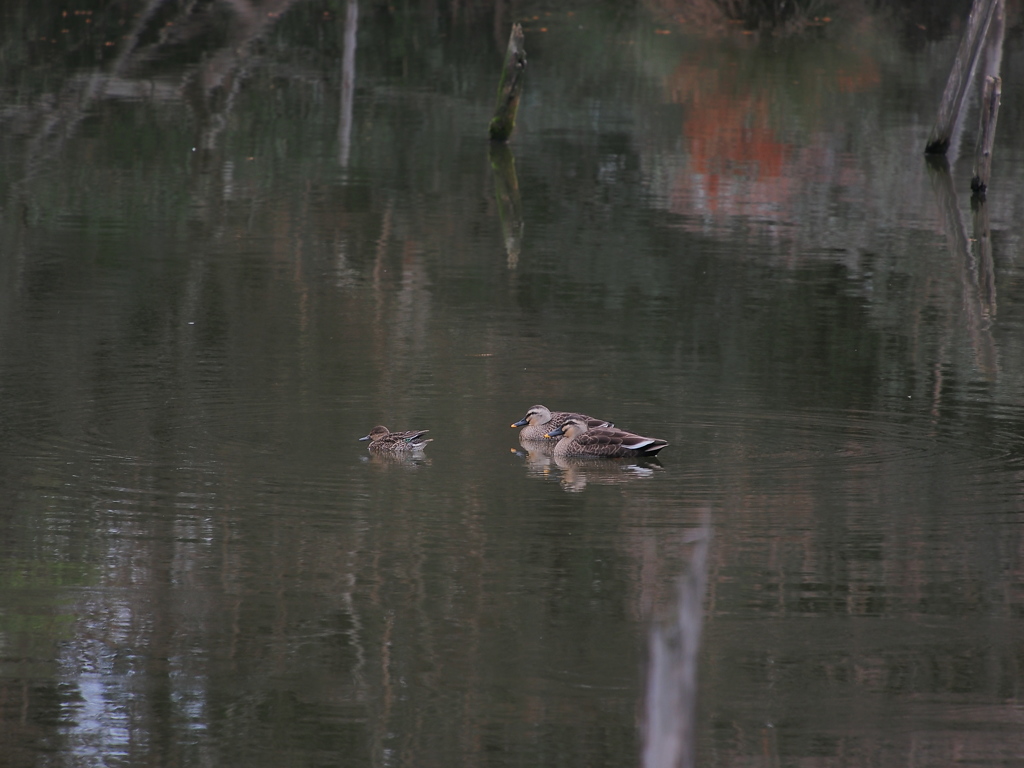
(383,440)
(539,421)
(578,438)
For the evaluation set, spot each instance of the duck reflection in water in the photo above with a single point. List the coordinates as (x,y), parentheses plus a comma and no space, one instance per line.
(577,471)
(406,460)
(538,457)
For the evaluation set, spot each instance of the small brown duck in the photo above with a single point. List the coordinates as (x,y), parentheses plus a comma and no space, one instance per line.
(539,421)
(383,440)
(579,439)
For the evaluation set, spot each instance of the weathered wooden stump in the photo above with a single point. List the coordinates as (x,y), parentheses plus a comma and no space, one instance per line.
(986,135)
(982,12)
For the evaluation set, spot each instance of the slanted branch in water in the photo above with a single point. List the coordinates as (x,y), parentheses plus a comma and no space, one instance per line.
(953,98)
(510,87)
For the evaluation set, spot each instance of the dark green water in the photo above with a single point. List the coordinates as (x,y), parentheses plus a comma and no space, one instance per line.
(220,267)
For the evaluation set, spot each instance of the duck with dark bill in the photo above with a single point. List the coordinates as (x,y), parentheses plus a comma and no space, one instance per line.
(383,440)
(580,439)
(539,421)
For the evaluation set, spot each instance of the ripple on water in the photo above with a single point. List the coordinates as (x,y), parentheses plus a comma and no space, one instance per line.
(128,453)
(777,444)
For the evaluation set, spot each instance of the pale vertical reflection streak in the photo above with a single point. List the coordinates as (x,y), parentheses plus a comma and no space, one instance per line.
(670,725)
(348,80)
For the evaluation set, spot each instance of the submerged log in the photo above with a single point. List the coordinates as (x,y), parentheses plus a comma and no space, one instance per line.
(964,65)
(986,136)
(510,87)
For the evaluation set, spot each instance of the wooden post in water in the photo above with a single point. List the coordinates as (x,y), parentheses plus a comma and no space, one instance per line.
(960,76)
(986,136)
(510,88)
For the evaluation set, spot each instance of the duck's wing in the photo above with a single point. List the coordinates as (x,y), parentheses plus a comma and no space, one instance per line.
(559,419)
(409,436)
(608,441)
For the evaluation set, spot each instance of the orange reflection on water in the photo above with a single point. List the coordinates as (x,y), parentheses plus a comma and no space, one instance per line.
(751,127)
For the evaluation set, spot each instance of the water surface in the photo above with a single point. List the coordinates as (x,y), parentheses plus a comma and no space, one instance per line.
(226,257)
